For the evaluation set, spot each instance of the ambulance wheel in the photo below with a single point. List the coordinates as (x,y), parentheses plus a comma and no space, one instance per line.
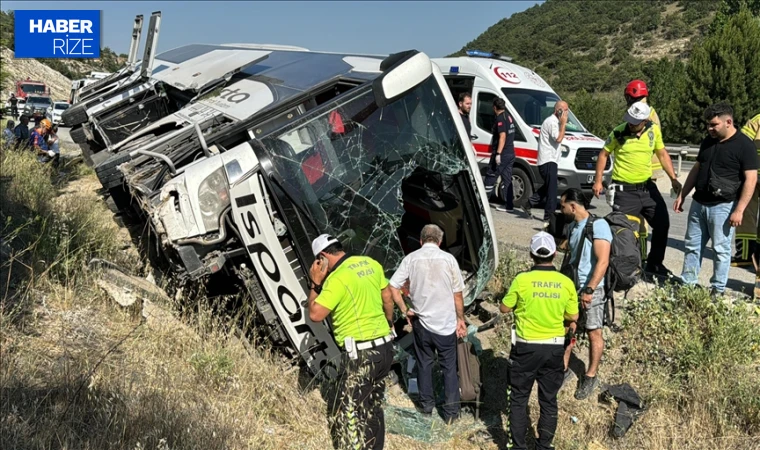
(522,187)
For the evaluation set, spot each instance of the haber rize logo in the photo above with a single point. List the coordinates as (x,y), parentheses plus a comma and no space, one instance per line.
(57,33)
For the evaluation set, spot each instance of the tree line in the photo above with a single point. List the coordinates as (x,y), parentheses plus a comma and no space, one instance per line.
(723,66)
(588,51)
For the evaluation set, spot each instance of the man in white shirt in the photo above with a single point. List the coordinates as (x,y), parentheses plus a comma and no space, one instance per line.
(437,316)
(549,141)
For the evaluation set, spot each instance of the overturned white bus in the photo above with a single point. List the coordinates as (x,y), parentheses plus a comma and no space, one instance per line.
(236,183)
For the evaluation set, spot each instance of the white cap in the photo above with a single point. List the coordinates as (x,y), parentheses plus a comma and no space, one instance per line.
(319,244)
(637,113)
(540,240)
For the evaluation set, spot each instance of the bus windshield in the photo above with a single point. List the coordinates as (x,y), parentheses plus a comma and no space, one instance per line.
(373,176)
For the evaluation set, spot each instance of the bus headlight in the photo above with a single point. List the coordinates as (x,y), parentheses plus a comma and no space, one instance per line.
(213,198)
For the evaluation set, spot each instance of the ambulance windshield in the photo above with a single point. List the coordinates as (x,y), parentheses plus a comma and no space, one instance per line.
(535,106)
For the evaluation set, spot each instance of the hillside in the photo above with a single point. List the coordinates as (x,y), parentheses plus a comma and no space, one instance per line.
(19,69)
(596,46)
(690,53)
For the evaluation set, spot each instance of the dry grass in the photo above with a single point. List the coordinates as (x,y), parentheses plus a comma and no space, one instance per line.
(77,372)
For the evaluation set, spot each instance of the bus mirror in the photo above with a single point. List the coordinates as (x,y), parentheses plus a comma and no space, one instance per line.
(402,72)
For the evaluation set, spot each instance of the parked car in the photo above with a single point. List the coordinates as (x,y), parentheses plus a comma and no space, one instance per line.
(36,106)
(55,112)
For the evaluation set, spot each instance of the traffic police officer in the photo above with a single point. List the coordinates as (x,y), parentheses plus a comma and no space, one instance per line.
(502,155)
(748,233)
(542,300)
(355,292)
(637,91)
(633,144)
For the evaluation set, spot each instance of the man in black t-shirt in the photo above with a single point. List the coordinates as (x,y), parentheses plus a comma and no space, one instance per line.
(724,176)
(502,155)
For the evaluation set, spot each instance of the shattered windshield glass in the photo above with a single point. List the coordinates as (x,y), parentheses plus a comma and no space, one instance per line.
(374,176)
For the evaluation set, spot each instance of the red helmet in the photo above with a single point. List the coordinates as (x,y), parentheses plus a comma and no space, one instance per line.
(637,89)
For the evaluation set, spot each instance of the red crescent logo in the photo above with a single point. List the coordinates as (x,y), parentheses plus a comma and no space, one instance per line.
(507,75)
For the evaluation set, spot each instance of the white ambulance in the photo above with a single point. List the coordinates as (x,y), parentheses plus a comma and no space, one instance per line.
(530,100)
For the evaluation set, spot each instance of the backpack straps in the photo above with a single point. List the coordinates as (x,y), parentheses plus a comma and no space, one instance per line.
(587,233)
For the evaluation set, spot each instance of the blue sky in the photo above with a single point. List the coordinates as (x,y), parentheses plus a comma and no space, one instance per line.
(434,27)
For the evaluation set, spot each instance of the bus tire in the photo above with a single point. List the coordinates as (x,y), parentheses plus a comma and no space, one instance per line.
(75,115)
(78,135)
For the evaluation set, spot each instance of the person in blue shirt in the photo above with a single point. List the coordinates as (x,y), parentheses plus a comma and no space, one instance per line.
(591,260)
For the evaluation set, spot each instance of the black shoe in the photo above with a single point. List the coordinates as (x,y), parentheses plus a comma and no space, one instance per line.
(715,294)
(422,411)
(451,420)
(658,269)
(588,384)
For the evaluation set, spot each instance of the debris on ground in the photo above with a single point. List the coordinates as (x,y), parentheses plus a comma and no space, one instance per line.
(630,406)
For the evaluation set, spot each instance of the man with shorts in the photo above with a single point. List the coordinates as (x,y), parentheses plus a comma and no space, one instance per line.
(589,239)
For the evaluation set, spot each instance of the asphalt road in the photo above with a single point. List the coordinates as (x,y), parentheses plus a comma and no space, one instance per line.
(65,141)
(515,228)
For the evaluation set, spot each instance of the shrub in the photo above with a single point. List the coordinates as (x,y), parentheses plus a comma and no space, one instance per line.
(705,348)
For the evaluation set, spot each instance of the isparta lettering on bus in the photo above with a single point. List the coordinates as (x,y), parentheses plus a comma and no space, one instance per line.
(311,340)
(57,33)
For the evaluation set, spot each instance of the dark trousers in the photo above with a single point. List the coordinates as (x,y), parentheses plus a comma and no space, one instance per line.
(530,363)
(503,170)
(548,191)
(646,201)
(426,343)
(360,421)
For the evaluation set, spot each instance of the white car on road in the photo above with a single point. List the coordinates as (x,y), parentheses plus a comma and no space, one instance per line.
(54,112)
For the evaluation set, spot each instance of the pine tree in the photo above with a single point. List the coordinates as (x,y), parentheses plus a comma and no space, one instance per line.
(669,88)
(729,8)
(725,67)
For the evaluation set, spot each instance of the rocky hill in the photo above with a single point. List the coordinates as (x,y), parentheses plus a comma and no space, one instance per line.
(19,69)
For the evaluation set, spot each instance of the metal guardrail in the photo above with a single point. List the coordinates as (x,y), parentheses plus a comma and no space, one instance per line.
(681,151)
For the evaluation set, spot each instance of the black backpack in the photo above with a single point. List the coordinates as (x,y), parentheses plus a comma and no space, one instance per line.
(625,267)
